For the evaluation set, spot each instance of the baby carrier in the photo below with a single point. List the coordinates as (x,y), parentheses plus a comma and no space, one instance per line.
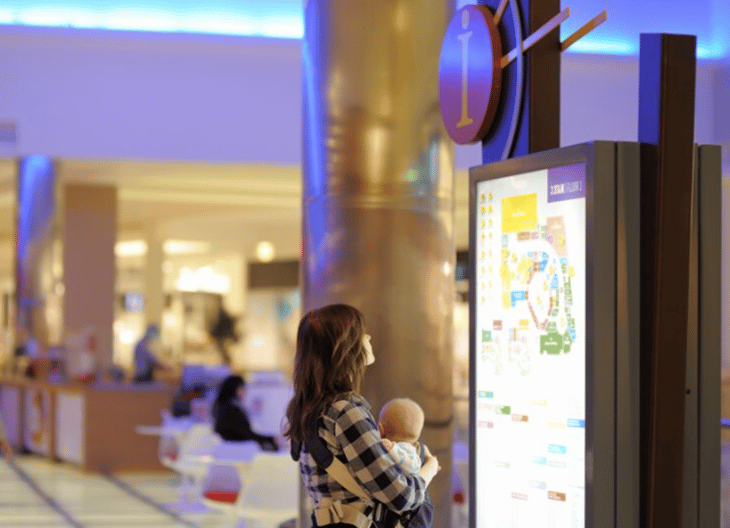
(369,513)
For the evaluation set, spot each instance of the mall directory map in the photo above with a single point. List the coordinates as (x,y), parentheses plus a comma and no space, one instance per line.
(530,349)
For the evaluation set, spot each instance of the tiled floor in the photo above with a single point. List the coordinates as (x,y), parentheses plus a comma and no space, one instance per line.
(37,494)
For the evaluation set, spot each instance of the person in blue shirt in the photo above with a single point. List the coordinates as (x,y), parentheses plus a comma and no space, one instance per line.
(145,362)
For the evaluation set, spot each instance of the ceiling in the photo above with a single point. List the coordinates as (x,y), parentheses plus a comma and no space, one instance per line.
(283,19)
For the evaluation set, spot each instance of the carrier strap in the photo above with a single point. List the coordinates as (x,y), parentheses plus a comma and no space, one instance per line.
(333,512)
(334,466)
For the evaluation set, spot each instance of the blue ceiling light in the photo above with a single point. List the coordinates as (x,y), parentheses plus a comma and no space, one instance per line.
(604,46)
(628,19)
(609,46)
(280,19)
(710,51)
(284,19)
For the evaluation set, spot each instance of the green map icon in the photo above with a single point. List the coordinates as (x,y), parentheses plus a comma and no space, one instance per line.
(551,343)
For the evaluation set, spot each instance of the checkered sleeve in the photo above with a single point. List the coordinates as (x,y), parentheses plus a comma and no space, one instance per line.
(358,437)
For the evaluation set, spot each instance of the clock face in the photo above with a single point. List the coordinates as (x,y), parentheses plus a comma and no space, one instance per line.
(481,98)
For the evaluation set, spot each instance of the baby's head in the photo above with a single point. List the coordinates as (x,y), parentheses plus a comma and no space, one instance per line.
(401,420)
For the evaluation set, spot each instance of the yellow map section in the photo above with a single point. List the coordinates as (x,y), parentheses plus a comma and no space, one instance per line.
(519,213)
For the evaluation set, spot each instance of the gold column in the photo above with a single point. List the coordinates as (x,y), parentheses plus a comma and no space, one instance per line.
(378,204)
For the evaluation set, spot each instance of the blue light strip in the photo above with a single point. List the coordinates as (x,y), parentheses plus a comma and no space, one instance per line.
(275,19)
(607,46)
(604,47)
(281,19)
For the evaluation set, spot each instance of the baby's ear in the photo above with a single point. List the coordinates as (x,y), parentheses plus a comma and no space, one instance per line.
(381,428)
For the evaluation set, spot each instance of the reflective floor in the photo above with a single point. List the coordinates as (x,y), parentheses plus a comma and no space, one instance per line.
(37,494)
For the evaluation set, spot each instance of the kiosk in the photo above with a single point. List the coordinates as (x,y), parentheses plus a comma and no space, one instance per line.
(554,362)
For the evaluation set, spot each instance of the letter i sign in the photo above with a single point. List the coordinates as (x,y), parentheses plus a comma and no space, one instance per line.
(470,76)
(471,63)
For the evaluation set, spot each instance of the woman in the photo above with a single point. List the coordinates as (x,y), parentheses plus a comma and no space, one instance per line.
(332,353)
(231,423)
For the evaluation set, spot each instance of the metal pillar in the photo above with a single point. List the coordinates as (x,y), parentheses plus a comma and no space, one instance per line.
(378,204)
(667,76)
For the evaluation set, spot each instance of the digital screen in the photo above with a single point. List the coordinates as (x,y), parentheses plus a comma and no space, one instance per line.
(134,302)
(530,353)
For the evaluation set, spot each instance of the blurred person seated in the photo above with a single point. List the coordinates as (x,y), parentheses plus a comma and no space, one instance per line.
(56,375)
(115,373)
(145,362)
(230,420)
(183,399)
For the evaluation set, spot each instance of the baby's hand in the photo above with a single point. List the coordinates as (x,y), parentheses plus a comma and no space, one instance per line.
(387,443)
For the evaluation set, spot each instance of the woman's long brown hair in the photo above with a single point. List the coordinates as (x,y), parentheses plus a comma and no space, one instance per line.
(329,362)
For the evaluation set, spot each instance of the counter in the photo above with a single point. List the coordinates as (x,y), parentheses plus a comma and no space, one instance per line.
(92,426)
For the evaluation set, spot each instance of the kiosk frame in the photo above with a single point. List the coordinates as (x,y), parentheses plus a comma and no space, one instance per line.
(612,283)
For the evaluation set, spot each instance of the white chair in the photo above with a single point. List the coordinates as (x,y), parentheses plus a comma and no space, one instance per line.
(172,432)
(172,435)
(196,453)
(271,495)
(267,492)
(228,473)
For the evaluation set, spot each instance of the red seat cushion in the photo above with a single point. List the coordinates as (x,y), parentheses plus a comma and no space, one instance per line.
(222,496)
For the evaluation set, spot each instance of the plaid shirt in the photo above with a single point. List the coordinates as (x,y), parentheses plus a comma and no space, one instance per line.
(350,432)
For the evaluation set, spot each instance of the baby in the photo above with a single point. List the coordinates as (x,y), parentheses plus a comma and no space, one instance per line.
(401,423)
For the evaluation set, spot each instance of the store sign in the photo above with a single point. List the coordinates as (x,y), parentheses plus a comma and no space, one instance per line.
(204,279)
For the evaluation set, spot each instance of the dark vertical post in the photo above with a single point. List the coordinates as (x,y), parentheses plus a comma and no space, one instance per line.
(543,80)
(666,129)
(528,115)
(708,399)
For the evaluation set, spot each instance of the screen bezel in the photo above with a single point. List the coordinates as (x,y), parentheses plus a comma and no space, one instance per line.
(600,316)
